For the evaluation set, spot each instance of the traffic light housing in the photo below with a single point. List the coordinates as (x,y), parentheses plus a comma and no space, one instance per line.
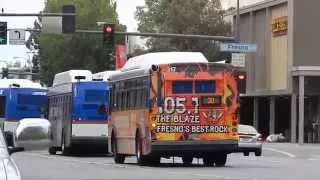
(35,64)
(108,35)
(5,73)
(3,33)
(241,77)
(68,22)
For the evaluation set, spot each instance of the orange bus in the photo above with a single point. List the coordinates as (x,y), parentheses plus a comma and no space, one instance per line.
(173,104)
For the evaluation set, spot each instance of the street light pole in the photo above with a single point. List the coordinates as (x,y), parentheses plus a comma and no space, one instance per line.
(238,21)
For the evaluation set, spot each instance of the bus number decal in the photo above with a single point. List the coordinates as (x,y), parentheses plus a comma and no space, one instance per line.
(195,102)
(172,105)
(169,105)
(180,107)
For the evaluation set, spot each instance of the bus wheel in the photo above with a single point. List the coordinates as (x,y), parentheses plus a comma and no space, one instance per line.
(118,158)
(141,159)
(52,150)
(187,160)
(208,160)
(221,159)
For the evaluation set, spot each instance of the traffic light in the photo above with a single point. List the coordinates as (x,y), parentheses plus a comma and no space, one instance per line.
(68,22)
(108,35)
(35,64)
(241,77)
(3,33)
(5,73)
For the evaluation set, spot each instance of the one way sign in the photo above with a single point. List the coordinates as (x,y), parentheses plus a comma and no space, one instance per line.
(17,37)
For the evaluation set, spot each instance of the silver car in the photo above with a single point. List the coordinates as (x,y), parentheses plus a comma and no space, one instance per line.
(30,134)
(250,140)
(8,168)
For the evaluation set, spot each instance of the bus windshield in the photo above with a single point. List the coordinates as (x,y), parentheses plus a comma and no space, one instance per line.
(28,99)
(95,96)
(25,103)
(90,101)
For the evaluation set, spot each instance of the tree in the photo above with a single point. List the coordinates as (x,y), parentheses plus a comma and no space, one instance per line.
(184,17)
(77,51)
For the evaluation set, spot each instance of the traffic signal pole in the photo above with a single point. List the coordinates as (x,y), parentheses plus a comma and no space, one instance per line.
(185,36)
(37,14)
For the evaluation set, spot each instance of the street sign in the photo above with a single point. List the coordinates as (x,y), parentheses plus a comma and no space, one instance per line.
(238,59)
(17,37)
(238,47)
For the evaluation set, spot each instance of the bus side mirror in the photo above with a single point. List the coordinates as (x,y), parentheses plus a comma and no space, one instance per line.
(155,67)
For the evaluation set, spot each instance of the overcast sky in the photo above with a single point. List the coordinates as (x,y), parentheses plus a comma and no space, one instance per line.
(125,8)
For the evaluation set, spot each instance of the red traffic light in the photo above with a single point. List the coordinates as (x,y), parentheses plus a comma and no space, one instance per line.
(108,29)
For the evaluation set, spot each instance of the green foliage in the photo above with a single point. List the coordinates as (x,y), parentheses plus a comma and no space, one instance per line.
(78,51)
(203,17)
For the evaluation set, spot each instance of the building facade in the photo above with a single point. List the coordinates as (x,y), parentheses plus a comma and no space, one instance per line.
(282,89)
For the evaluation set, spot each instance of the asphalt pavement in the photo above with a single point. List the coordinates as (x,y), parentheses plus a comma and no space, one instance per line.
(279,161)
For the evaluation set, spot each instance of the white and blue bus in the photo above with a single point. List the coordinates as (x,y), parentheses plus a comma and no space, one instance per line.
(19,99)
(78,112)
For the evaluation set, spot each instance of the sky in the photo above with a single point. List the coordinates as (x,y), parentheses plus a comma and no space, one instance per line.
(125,9)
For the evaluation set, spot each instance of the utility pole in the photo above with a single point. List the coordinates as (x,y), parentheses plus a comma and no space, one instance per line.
(237,36)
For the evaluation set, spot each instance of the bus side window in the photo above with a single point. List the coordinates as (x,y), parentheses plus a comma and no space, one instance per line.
(119,97)
(133,95)
(123,100)
(144,93)
(139,96)
(110,98)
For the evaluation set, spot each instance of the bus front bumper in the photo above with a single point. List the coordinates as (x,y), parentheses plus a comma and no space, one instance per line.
(193,147)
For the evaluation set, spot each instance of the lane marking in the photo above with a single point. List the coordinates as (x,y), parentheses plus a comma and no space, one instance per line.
(314,159)
(281,152)
(56,157)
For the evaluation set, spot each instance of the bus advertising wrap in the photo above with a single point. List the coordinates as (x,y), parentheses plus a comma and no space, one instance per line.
(193,114)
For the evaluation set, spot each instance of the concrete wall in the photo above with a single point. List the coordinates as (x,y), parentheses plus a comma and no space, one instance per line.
(246,36)
(278,52)
(259,33)
(306,33)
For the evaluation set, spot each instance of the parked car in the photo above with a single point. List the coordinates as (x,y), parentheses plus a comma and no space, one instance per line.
(250,140)
(30,134)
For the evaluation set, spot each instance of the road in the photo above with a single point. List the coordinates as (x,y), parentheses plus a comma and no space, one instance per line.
(279,161)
